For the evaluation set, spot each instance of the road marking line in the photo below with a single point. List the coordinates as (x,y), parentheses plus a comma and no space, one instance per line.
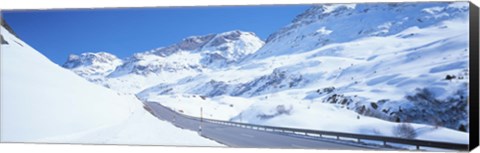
(246,135)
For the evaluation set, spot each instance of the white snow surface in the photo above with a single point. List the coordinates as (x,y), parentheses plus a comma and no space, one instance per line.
(140,128)
(42,102)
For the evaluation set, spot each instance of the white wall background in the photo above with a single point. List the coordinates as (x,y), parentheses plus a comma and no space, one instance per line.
(63,148)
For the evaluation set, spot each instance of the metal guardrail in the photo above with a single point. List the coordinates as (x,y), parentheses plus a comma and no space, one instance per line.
(337,135)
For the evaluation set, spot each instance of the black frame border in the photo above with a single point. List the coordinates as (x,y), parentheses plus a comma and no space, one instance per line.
(474,76)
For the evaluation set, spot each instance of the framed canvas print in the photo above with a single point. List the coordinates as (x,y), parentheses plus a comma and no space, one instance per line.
(338,76)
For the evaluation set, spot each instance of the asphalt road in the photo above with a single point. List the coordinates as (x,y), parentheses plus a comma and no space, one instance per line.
(233,136)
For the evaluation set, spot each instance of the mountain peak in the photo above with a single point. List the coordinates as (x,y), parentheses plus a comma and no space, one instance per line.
(92,66)
(194,53)
(235,33)
(198,43)
(90,58)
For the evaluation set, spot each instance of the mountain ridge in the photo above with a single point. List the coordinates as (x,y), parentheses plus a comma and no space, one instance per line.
(343,55)
(191,55)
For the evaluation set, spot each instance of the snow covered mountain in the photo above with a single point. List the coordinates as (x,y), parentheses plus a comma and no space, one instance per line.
(362,68)
(337,23)
(193,53)
(191,56)
(43,102)
(92,66)
(398,62)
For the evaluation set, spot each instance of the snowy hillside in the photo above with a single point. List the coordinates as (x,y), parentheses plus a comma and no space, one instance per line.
(412,69)
(338,23)
(395,62)
(357,68)
(42,102)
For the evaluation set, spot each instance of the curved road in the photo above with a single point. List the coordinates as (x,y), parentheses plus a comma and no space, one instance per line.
(243,137)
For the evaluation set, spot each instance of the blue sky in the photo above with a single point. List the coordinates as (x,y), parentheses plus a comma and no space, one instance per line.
(58,33)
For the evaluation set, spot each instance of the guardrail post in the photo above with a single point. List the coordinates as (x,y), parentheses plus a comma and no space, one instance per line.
(338,138)
(384,143)
(358,139)
(418,147)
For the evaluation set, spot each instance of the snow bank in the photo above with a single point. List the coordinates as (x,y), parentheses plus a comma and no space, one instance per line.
(141,128)
(40,99)
(42,102)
